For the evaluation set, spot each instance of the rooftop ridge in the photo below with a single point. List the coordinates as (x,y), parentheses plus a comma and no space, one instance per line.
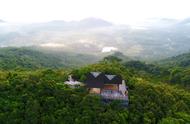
(95,74)
(110,77)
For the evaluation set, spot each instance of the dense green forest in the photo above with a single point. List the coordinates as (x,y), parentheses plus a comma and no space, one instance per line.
(37,95)
(33,58)
(182,60)
(14,58)
(166,70)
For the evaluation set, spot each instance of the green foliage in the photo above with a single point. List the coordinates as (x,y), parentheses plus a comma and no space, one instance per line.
(41,99)
(180,76)
(182,60)
(111,58)
(156,74)
(15,58)
(116,57)
(30,97)
(31,59)
(149,72)
(148,68)
(179,118)
(149,103)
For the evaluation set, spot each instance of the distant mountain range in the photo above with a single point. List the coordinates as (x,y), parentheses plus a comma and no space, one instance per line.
(153,39)
(34,58)
(182,60)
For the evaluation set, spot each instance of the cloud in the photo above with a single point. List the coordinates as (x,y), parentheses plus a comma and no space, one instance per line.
(135,49)
(124,12)
(109,49)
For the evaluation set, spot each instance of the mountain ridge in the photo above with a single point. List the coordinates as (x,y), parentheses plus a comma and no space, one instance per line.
(181,60)
(35,58)
(93,35)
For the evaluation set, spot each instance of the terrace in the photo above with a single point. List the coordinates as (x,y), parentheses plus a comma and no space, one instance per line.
(113,95)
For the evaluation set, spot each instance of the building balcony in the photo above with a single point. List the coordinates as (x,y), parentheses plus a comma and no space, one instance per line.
(113,95)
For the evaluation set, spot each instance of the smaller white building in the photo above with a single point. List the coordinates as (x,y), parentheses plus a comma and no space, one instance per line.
(72,83)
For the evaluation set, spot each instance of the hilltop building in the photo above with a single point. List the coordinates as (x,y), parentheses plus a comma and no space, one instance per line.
(108,86)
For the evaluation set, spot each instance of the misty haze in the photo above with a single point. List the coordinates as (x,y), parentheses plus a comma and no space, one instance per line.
(155,39)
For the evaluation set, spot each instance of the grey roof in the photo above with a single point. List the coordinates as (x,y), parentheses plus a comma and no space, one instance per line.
(95,74)
(110,77)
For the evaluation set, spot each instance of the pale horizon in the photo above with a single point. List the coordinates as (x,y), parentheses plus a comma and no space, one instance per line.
(115,11)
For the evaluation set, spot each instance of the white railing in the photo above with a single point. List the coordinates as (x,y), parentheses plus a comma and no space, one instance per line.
(113,95)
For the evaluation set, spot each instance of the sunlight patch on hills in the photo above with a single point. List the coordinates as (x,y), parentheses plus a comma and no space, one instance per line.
(53,45)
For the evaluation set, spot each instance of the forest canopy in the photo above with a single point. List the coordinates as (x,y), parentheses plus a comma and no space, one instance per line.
(41,96)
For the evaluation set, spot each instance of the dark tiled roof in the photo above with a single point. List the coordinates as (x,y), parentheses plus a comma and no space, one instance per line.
(95,80)
(98,79)
(112,79)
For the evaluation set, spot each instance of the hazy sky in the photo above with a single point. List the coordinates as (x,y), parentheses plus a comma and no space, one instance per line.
(117,11)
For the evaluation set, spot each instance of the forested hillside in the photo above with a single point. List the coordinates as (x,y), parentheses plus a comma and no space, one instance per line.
(182,60)
(32,93)
(42,97)
(179,67)
(30,58)
(14,58)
